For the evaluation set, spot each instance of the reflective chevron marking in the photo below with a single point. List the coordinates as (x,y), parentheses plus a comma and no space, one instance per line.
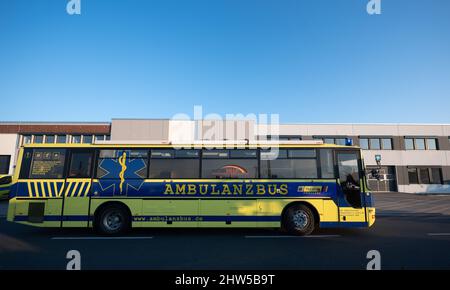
(50,194)
(50,189)
(36,189)
(30,192)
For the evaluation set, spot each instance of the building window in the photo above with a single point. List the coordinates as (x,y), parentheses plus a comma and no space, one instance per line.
(76,139)
(4,163)
(38,139)
(331,140)
(27,139)
(386,143)
(279,138)
(432,144)
(376,143)
(364,143)
(49,139)
(290,138)
(436,176)
(87,139)
(340,141)
(421,144)
(409,144)
(422,175)
(61,139)
(99,137)
(413,176)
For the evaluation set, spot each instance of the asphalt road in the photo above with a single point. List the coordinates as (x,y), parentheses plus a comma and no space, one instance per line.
(407,237)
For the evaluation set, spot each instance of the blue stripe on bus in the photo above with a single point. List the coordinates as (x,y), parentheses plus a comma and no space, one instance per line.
(343,224)
(206,218)
(54,218)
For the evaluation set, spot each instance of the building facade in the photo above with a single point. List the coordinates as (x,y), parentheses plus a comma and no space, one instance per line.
(415,157)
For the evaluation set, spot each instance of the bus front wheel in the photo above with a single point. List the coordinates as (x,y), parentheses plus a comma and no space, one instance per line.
(112,220)
(299,220)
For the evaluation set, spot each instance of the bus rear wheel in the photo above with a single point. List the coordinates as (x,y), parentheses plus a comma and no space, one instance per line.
(112,220)
(299,220)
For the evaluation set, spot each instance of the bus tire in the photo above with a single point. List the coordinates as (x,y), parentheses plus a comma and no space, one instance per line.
(112,220)
(299,220)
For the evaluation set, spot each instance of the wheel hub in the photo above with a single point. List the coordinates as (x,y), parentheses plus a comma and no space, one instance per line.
(300,219)
(112,221)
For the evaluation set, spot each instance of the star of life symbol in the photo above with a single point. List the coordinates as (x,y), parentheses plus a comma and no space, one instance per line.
(121,173)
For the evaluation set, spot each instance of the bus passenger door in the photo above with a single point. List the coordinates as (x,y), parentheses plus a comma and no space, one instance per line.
(77,187)
(350,198)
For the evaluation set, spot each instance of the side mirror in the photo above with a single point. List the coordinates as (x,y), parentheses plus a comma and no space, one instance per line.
(5,180)
(376,174)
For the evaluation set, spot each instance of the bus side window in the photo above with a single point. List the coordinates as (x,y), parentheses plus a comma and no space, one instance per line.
(226,164)
(292,163)
(174,164)
(80,164)
(327,163)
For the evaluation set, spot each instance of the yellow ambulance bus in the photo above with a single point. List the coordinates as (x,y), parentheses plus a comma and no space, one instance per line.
(111,187)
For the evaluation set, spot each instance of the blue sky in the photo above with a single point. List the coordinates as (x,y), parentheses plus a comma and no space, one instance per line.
(307,60)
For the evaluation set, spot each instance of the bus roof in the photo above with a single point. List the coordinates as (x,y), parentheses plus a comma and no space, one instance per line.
(112,144)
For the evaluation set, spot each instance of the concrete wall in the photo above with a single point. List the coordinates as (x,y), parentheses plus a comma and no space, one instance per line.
(8,146)
(181,130)
(408,157)
(139,130)
(363,130)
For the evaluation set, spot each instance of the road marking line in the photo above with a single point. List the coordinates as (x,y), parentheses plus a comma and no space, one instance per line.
(438,234)
(312,236)
(101,238)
